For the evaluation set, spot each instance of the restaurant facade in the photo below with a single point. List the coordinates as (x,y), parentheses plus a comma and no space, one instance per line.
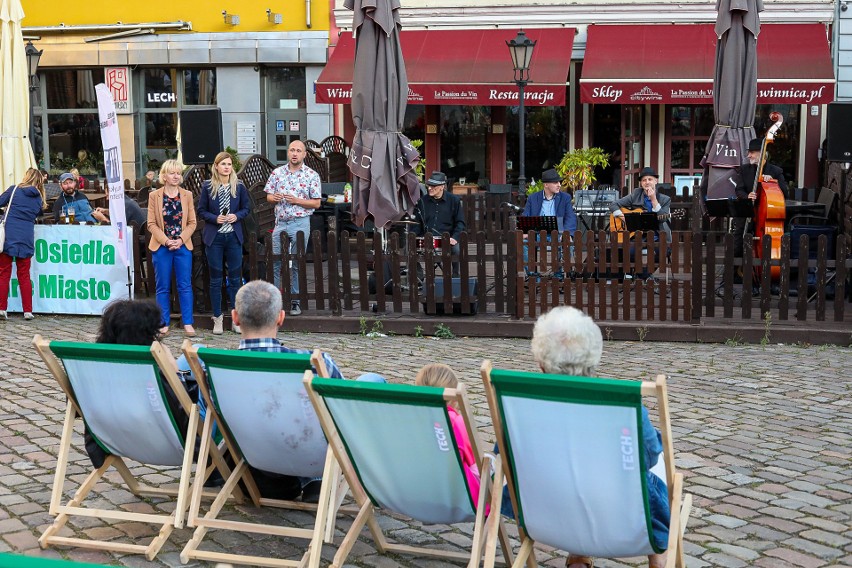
(635,80)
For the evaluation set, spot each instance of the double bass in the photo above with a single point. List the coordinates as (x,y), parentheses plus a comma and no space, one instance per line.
(769,218)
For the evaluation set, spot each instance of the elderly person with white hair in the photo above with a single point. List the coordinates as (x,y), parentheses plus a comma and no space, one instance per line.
(567,342)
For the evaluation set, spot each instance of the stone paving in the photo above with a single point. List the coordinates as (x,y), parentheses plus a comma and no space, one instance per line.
(763,435)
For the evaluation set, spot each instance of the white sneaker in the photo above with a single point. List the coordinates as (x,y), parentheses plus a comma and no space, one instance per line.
(235,328)
(218,329)
(3,314)
(28,316)
(295,310)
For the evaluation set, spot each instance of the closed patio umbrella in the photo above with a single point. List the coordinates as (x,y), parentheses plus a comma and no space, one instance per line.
(734,93)
(382,159)
(16,154)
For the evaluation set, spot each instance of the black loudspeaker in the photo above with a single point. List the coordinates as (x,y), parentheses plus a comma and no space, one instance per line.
(472,291)
(200,135)
(839,132)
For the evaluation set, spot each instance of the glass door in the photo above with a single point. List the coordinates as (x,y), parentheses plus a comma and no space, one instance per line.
(632,144)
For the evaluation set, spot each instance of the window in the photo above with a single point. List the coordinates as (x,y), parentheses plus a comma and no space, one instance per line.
(286,87)
(464,141)
(784,151)
(690,126)
(545,140)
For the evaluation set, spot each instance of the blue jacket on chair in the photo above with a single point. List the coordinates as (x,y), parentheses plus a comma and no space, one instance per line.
(564,210)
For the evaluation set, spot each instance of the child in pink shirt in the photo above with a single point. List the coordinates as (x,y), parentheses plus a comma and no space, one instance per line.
(440,375)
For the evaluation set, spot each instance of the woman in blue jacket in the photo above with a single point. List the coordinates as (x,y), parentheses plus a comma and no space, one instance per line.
(223,204)
(23,208)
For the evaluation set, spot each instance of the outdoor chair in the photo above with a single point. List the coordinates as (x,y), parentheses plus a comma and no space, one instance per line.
(396,447)
(8,560)
(573,461)
(258,401)
(120,393)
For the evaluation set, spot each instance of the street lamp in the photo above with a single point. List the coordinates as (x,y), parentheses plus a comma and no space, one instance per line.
(33,56)
(521,49)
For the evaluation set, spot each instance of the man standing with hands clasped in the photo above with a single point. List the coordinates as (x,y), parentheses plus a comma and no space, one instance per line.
(295,189)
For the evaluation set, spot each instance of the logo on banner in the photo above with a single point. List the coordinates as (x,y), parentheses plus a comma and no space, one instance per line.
(414,96)
(646,94)
(118,83)
(607,92)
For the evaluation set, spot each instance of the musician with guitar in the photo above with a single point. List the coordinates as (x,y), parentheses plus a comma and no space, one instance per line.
(746,188)
(647,198)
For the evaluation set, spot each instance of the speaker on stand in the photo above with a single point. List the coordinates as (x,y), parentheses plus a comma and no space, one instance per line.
(200,135)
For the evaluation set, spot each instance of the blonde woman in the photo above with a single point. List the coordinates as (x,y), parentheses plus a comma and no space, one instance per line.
(171,222)
(24,203)
(222,205)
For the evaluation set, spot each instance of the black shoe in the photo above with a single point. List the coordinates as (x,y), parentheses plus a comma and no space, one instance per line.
(215,479)
(311,491)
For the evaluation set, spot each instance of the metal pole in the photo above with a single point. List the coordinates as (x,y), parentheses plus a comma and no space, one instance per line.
(522,179)
(841,211)
(32,115)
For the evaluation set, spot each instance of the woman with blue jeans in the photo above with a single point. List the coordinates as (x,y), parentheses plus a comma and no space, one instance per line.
(222,205)
(171,222)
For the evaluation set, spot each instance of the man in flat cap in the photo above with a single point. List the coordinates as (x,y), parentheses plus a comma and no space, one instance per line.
(440,212)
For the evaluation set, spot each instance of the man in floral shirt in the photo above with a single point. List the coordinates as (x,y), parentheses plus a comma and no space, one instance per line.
(295,189)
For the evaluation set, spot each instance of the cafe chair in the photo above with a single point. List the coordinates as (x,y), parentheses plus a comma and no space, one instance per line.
(396,446)
(259,404)
(574,463)
(135,408)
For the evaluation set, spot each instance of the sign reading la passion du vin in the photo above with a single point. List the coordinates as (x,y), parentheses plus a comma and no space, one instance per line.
(75,270)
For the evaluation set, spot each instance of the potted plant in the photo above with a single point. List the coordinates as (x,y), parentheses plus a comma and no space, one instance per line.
(577,167)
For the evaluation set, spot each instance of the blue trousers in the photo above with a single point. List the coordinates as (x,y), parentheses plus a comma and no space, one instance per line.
(180,262)
(292,228)
(225,249)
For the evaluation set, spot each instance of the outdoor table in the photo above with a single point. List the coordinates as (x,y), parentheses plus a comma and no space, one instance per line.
(794,208)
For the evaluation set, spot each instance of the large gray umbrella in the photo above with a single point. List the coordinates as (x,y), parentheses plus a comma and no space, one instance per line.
(382,159)
(734,92)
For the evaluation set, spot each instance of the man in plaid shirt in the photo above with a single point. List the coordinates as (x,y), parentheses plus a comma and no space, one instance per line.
(295,190)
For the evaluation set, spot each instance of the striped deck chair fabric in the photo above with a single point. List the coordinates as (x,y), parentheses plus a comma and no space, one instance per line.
(396,446)
(574,457)
(267,422)
(120,393)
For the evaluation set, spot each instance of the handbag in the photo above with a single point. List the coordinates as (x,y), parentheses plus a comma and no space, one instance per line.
(3,224)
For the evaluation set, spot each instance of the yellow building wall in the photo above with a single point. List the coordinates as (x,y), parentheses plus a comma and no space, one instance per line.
(206,16)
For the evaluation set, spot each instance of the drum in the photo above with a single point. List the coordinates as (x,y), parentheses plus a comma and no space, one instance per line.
(420,244)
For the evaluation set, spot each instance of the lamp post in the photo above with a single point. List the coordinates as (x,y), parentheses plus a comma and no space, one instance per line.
(521,49)
(33,56)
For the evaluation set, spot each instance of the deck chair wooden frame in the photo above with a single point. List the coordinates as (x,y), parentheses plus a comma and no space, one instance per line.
(157,359)
(386,426)
(241,431)
(582,396)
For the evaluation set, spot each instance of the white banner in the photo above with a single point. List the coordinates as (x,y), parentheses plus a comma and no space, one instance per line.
(75,270)
(112,163)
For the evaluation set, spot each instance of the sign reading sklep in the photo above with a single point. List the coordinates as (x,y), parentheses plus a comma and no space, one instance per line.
(75,270)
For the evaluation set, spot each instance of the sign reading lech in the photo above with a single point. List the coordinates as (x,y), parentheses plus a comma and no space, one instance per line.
(75,270)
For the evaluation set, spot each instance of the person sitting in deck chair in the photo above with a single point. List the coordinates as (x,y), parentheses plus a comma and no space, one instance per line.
(567,342)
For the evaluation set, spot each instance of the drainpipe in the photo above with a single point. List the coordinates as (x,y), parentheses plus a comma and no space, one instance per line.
(308,13)
(117,27)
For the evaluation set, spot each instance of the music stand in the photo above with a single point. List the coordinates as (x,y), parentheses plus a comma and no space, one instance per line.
(641,222)
(730,207)
(538,223)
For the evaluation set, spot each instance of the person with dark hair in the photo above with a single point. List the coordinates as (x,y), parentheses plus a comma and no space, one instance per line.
(130,322)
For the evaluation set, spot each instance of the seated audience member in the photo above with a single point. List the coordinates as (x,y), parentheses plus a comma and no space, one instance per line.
(132,322)
(132,212)
(440,375)
(73,200)
(259,313)
(567,342)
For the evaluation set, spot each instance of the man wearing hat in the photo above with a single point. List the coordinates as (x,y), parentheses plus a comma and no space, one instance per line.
(646,197)
(745,189)
(440,212)
(552,202)
(71,199)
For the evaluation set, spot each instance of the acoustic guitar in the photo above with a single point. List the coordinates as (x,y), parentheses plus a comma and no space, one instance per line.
(618,225)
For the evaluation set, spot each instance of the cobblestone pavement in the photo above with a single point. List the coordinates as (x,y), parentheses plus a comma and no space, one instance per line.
(763,435)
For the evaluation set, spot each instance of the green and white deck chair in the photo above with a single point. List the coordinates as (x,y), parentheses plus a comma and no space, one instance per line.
(396,447)
(118,391)
(267,422)
(8,560)
(573,459)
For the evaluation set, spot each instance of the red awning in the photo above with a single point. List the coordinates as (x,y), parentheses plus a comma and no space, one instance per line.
(471,67)
(674,63)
